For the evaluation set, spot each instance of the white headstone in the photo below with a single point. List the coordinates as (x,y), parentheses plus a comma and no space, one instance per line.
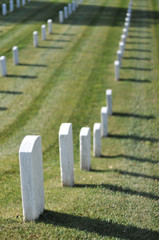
(109,101)
(116,65)
(66,154)
(31,175)
(49,22)
(123,38)
(43,32)
(35,38)
(127,19)
(65,12)
(119,55)
(4,9)
(23,2)
(126,25)
(76,2)
(11,6)
(128,15)
(18,3)
(15,55)
(61,17)
(97,140)
(121,47)
(73,6)
(104,122)
(85,149)
(3,66)
(125,32)
(69,8)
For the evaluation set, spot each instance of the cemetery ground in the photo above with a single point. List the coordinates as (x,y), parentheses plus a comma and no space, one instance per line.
(64,80)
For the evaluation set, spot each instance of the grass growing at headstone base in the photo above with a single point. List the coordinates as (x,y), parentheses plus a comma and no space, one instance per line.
(64,80)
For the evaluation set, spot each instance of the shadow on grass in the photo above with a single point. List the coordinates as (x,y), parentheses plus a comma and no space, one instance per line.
(100,227)
(134,80)
(138,69)
(155,178)
(140,31)
(137,58)
(61,40)
(137,50)
(132,158)
(21,76)
(3,108)
(134,137)
(140,37)
(120,189)
(135,174)
(50,47)
(107,15)
(133,115)
(11,92)
(32,65)
(143,43)
(65,34)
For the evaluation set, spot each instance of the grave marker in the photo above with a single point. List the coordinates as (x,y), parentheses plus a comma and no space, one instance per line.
(11,6)
(109,101)
(31,175)
(66,154)
(121,48)
(116,65)
(15,55)
(3,66)
(35,39)
(18,3)
(69,8)
(85,149)
(119,55)
(65,13)
(73,6)
(61,18)
(49,22)
(23,2)
(104,122)
(43,32)
(97,140)
(4,9)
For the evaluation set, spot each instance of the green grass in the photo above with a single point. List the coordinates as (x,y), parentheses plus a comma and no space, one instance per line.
(64,80)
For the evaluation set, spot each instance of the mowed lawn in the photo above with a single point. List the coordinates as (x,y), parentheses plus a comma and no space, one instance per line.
(64,80)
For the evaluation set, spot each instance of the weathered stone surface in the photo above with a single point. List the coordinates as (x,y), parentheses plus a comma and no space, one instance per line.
(65,12)
(116,65)
(97,140)
(66,154)
(119,55)
(73,6)
(35,38)
(104,122)
(43,32)
(121,47)
(109,101)
(4,9)
(23,2)
(49,22)
(69,8)
(15,55)
(61,17)
(3,66)
(18,3)
(11,6)
(85,149)
(31,175)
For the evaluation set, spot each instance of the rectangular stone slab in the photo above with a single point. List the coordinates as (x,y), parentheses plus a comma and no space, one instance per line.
(31,176)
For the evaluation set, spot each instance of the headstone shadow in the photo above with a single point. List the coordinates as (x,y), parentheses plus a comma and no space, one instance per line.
(97,226)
